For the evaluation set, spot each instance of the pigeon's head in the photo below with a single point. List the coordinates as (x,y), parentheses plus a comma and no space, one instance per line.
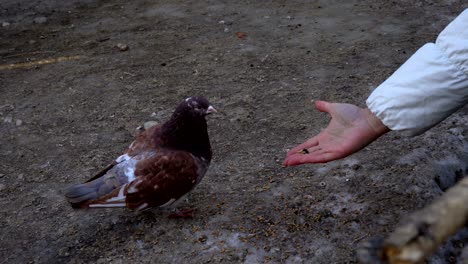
(196,106)
(187,127)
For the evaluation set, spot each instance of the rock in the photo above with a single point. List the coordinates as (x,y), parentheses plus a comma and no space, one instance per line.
(64,252)
(19,122)
(8,119)
(8,107)
(121,47)
(6,24)
(275,250)
(31,42)
(107,226)
(40,20)
(103,260)
(223,22)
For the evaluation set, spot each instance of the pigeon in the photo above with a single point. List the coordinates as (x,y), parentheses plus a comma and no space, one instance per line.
(162,165)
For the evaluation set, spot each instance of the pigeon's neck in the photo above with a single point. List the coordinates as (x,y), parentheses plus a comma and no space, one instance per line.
(187,133)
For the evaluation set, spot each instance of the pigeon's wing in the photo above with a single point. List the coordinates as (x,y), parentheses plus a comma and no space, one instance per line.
(144,142)
(102,172)
(107,189)
(162,180)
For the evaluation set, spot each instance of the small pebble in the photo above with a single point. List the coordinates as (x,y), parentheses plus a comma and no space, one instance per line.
(8,119)
(275,250)
(122,47)
(5,24)
(32,42)
(2,187)
(19,122)
(40,20)
(64,252)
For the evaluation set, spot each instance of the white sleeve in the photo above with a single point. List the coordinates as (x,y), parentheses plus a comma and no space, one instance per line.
(429,86)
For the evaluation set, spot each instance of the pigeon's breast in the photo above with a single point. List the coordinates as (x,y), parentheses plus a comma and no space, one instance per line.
(202,167)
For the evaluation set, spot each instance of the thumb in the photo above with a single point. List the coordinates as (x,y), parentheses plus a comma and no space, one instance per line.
(323,106)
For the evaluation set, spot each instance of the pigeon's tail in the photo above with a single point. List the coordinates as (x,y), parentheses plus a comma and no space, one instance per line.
(77,195)
(97,193)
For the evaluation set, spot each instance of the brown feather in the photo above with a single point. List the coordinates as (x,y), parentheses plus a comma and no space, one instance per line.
(162,178)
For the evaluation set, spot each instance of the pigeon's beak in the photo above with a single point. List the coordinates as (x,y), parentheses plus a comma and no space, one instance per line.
(210,110)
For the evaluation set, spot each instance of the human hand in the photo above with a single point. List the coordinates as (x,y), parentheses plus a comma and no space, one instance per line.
(351,128)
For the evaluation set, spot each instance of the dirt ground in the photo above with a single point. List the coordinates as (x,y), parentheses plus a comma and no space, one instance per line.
(75,102)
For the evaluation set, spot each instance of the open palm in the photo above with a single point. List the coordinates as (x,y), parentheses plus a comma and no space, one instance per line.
(351,128)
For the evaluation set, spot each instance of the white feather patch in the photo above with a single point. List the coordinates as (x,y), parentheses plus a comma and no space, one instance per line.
(118,198)
(132,189)
(107,205)
(130,171)
(143,206)
(123,157)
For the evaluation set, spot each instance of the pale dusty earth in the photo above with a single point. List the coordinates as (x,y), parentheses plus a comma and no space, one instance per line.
(73,100)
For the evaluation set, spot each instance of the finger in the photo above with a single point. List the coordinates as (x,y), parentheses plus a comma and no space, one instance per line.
(320,156)
(310,150)
(305,151)
(312,142)
(314,149)
(323,106)
(297,159)
(323,156)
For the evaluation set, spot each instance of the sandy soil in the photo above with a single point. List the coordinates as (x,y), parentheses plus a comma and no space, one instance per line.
(61,122)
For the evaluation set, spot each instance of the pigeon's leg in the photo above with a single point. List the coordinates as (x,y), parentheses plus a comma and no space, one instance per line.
(182,213)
